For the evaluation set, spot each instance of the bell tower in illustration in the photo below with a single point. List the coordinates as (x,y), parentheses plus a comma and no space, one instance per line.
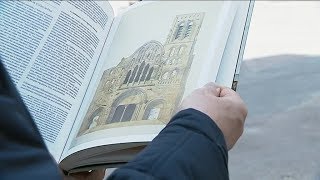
(178,56)
(182,37)
(185,28)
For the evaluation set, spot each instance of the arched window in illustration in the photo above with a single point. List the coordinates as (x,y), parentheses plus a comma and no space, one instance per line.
(118,113)
(153,110)
(181,50)
(149,74)
(154,113)
(152,56)
(189,29)
(127,77)
(92,120)
(157,53)
(141,53)
(171,51)
(107,83)
(174,73)
(133,74)
(165,75)
(179,31)
(123,113)
(144,74)
(149,55)
(128,112)
(157,58)
(139,72)
(125,106)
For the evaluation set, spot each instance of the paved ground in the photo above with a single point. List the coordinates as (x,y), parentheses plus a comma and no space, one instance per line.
(282,134)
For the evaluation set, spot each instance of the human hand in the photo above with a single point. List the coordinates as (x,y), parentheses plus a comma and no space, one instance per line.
(223,105)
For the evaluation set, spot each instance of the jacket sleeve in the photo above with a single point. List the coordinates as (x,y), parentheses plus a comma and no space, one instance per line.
(23,154)
(191,146)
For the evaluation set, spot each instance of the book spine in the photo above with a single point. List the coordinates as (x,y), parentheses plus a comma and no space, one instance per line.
(242,46)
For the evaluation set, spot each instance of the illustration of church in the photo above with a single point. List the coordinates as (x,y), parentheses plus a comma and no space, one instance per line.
(146,87)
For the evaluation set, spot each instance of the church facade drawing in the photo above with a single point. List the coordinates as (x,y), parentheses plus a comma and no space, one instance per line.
(146,87)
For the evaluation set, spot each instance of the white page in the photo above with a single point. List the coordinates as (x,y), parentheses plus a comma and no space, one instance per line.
(132,32)
(232,56)
(50,49)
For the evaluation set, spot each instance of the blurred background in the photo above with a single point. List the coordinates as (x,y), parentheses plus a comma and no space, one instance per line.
(279,81)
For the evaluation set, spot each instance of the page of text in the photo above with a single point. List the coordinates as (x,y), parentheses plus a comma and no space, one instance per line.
(51,49)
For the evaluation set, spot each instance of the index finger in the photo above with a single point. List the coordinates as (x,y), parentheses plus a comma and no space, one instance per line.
(214,88)
(225,92)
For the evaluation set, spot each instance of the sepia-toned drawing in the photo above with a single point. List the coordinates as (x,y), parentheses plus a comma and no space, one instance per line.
(147,86)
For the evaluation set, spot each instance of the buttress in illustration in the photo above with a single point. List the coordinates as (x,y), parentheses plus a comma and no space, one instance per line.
(146,87)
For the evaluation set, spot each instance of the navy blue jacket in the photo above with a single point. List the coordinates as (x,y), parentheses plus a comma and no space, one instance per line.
(190,147)
(23,154)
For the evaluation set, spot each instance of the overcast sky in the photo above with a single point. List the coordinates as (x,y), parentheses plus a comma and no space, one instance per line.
(287,27)
(281,27)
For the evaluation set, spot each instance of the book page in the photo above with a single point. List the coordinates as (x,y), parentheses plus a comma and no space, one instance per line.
(232,55)
(51,49)
(155,59)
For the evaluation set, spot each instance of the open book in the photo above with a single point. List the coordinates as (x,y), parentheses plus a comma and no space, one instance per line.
(101,87)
